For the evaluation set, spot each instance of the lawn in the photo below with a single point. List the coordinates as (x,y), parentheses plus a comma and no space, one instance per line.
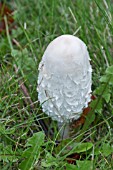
(29,139)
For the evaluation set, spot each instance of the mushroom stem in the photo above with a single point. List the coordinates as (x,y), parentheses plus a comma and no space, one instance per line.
(64,129)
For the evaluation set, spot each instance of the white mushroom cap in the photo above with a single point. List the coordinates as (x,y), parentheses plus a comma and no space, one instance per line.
(64,82)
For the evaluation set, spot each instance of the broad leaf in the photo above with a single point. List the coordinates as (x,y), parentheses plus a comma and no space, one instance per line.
(7,154)
(31,154)
(49,161)
(83,147)
(109,70)
(77,148)
(85,165)
(106,78)
(107,149)
(71,167)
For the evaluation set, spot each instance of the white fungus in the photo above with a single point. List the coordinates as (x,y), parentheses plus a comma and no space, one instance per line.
(64,81)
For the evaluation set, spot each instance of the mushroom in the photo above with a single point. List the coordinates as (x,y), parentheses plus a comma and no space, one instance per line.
(64,81)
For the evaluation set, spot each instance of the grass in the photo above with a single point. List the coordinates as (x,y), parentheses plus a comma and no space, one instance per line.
(23,144)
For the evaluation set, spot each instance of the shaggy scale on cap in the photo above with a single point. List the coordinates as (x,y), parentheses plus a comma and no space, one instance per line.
(64,81)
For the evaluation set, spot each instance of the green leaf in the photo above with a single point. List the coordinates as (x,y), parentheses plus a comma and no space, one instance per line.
(84,165)
(31,154)
(111,81)
(98,108)
(14,52)
(109,70)
(106,78)
(78,148)
(83,147)
(71,167)
(107,149)
(49,161)
(7,154)
(105,95)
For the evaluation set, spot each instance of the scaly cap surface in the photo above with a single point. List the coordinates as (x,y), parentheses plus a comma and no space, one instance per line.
(64,82)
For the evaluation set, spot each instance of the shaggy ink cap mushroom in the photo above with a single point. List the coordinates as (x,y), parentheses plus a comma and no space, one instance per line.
(64,81)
